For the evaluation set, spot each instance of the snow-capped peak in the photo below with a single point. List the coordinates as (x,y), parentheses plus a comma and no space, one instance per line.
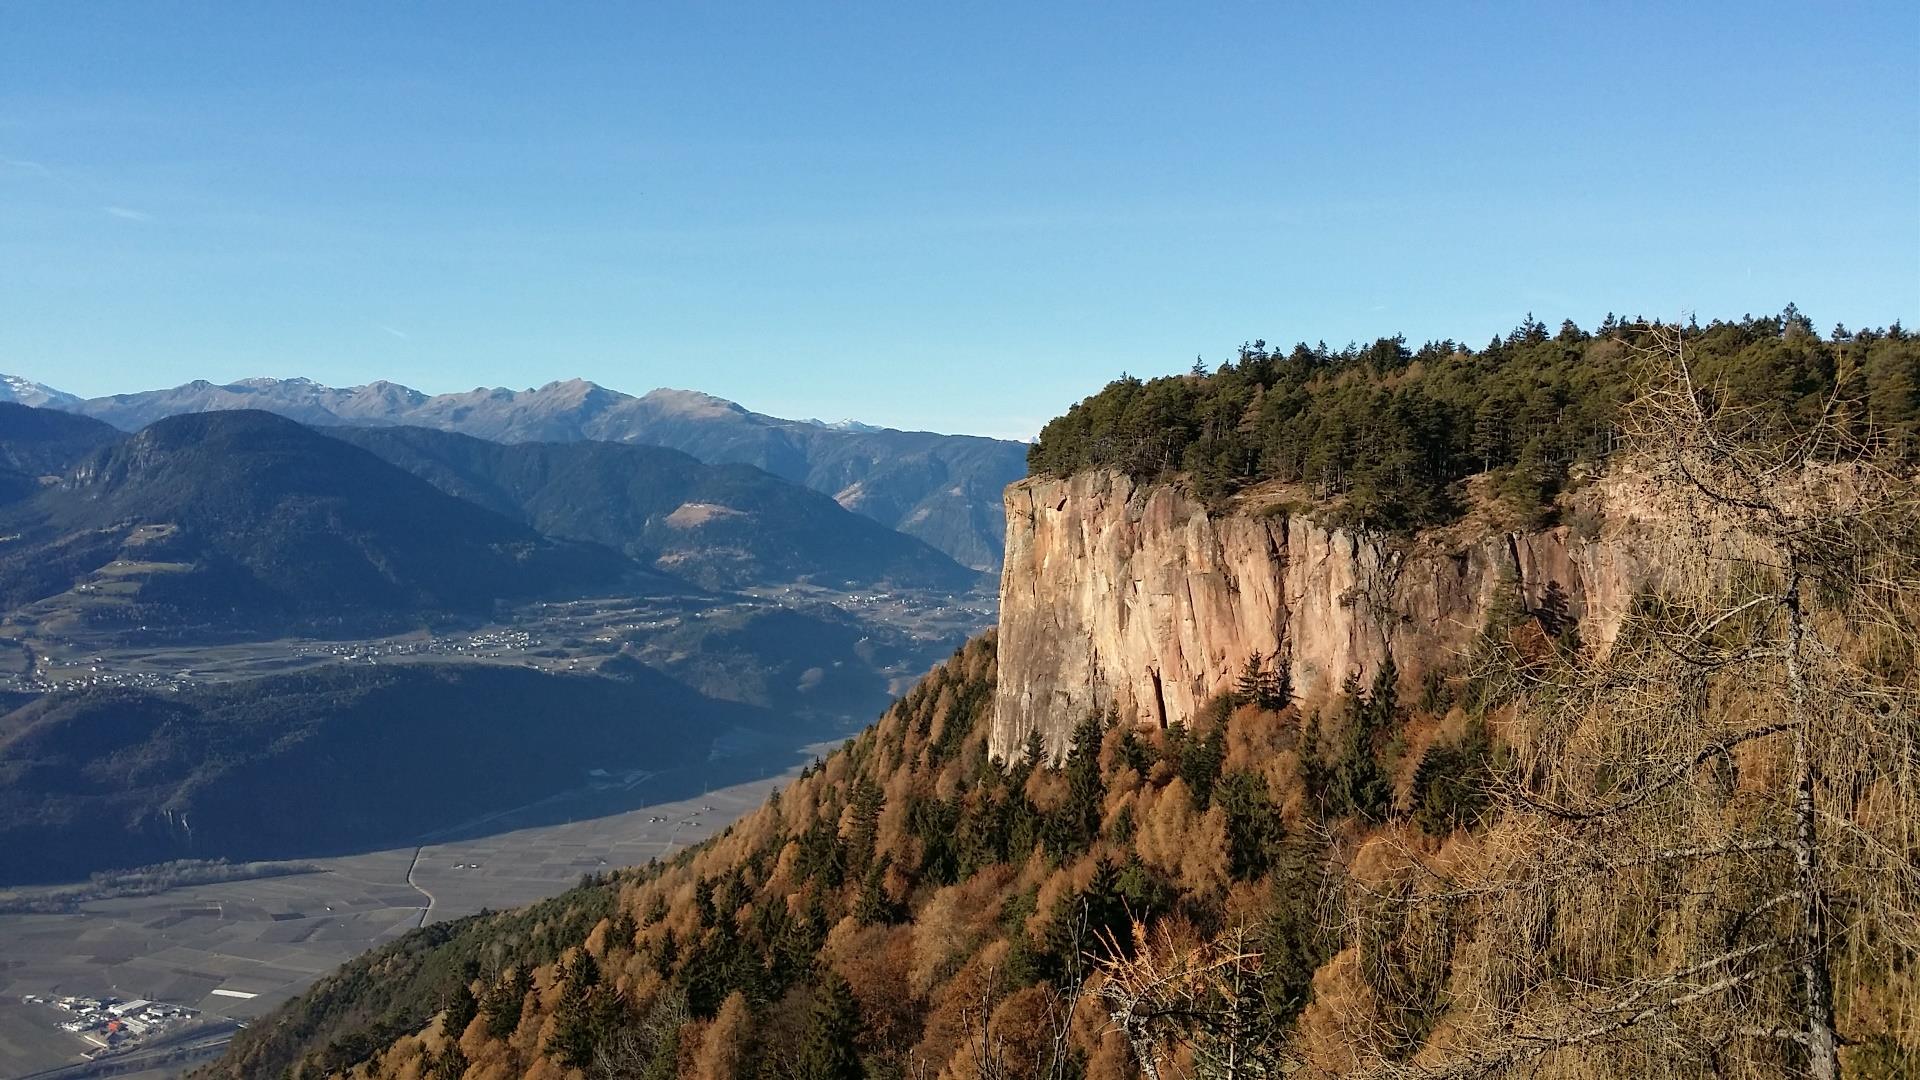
(28,392)
(844,425)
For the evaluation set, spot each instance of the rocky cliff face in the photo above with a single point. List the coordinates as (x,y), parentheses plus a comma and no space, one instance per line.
(1139,598)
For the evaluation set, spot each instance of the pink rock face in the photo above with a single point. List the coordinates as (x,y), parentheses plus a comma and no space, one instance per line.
(1138,598)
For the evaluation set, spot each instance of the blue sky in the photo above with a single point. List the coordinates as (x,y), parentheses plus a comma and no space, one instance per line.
(961,216)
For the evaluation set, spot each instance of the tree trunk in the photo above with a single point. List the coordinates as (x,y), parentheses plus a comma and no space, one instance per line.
(1823,1057)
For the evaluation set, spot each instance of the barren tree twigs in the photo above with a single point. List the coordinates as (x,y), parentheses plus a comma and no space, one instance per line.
(1703,859)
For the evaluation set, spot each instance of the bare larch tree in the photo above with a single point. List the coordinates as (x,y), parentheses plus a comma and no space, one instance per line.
(1703,857)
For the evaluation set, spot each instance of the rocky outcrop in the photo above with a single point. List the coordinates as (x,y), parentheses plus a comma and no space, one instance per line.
(1139,598)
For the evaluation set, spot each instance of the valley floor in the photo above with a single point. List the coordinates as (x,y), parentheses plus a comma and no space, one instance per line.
(199,946)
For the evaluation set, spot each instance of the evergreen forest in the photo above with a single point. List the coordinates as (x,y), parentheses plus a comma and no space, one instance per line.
(1383,435)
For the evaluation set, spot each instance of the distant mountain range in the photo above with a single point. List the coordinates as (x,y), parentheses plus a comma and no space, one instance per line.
(722,526)
(943,489)
(247,519)
(232,525)
(252,521)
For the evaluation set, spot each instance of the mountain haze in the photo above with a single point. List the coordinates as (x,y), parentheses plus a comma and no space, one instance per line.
(943,489)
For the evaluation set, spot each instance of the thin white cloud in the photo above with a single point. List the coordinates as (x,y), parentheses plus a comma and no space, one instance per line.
(126,214)
(22,165)
(401,334)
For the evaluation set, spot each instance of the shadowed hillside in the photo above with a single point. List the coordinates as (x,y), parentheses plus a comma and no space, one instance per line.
(37,443)
(345,758)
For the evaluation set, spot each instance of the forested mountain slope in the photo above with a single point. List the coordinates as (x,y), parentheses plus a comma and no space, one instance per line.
(263,521)
(908,892)
(911,909)
(724,526)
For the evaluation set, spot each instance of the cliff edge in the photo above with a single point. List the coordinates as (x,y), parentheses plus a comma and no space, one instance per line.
(1140,598)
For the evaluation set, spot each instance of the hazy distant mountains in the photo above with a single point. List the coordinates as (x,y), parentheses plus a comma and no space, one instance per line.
(943,489)
(252,521)
(234,525)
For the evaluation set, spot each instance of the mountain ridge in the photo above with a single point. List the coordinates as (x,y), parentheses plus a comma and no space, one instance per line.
(23,391)
(942,488)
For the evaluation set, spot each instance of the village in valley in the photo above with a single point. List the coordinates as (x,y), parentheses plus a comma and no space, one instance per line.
(109,1023)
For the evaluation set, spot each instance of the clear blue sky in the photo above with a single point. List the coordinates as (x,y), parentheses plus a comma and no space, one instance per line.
(955,216)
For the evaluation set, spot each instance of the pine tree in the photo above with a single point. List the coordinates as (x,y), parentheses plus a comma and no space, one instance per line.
(462,1007)
(1294,938)
(1079,819)
(1491,422)
(828,1052)
(1109,923)
(505,1002)
(873,905)
(1452,785)
(1263,683)
(1199,764)
(574,1034)
(622,930)
(668,953)
(1358,784)
(1134,752)
(864,827)
(1315,778)
(1254,829)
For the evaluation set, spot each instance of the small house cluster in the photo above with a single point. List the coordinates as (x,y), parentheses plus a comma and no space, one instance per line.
(109,1022)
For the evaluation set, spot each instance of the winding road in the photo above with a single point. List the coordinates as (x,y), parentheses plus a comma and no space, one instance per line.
(428,910)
